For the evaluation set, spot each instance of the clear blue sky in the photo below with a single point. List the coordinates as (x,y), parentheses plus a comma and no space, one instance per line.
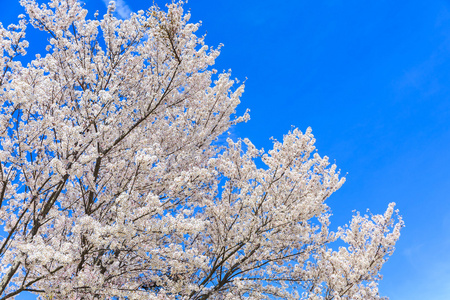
(372,79)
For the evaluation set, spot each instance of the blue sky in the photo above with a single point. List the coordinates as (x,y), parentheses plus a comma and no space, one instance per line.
(372,79)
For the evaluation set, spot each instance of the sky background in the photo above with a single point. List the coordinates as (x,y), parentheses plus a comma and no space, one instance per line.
(372,79)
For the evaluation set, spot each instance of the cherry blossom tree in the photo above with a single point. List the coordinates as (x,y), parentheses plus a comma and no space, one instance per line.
(113,184)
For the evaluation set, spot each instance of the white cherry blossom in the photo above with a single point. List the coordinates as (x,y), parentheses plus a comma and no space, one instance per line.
(113,184)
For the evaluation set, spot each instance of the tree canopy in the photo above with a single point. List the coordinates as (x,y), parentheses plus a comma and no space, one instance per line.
(116,181)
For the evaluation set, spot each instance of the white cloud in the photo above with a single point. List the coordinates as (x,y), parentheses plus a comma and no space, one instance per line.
(122,8)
